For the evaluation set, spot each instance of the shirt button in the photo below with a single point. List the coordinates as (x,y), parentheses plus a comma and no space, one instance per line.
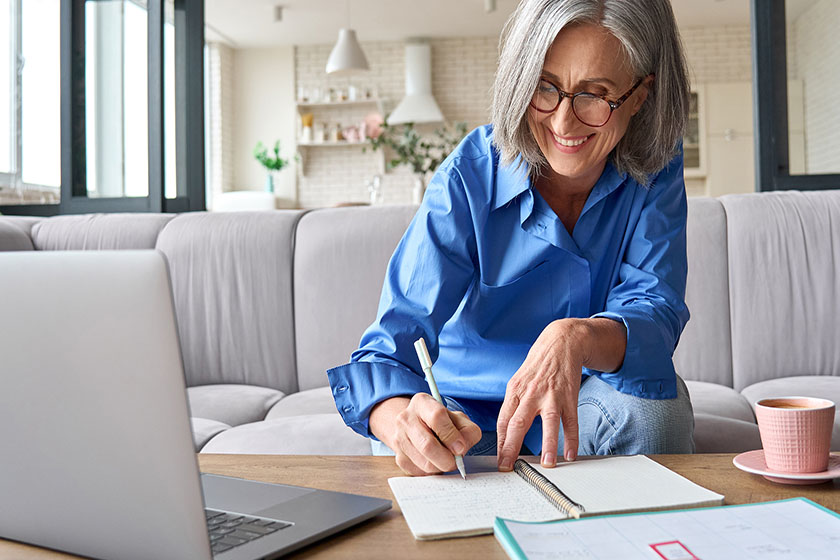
(342,388)
(542,225)
(347,408)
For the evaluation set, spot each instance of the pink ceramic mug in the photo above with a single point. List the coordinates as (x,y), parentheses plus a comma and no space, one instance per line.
(795,433)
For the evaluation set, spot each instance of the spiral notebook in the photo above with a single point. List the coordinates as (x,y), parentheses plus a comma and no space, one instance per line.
(444,506)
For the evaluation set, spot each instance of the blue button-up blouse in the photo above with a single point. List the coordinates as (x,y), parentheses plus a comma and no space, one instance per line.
(486,265)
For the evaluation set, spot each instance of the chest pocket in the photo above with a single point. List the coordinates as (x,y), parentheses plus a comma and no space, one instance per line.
(515,311)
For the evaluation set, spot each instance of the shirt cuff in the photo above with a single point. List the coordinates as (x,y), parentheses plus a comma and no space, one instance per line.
(358,386)
(648,367)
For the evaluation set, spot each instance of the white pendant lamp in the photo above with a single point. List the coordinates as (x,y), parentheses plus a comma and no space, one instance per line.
(347,56)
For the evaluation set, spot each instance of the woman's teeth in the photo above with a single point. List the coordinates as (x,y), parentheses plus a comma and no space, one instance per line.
(570,143)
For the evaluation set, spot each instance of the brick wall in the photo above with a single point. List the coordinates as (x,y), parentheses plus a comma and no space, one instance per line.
(462,74)
(718,54)
(220,117)
(817,55)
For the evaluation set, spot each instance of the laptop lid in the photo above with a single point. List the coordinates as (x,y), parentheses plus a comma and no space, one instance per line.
(98,456)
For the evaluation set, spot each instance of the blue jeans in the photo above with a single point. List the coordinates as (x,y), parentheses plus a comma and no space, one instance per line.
(612,423)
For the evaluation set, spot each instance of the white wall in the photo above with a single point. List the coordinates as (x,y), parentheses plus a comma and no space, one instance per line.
(264,110)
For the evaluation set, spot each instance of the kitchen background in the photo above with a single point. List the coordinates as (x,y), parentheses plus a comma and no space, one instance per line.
(259,71)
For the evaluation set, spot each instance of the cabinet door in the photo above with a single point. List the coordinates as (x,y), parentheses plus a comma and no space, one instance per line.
(729,125)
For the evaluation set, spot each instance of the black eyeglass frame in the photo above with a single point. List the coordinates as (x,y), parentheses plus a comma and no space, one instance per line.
(613,104)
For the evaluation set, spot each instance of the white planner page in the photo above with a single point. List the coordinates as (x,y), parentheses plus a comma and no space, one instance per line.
(448,506)
(789,530)
(625,484)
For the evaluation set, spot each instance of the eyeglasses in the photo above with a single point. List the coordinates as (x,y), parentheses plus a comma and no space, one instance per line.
(589,108)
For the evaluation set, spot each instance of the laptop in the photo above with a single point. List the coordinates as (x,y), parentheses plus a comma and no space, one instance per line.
(97,453)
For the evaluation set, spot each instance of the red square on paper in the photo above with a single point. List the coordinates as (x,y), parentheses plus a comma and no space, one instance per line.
(673,550)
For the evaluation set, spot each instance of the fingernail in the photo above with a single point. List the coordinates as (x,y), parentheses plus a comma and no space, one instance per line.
(459,448)
(570,455)
(548,460)
(505,464)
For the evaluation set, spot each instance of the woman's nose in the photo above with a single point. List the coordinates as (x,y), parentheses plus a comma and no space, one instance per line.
(563,117)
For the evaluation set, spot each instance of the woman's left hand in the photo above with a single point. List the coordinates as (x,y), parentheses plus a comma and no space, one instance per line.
(546,384)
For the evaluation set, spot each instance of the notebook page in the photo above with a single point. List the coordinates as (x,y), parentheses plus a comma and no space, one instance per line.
(448,506)
(623,484)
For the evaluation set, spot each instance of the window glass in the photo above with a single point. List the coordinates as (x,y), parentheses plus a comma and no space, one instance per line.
(6,49)
(813,85)
(116,99)
(41,93)
(136,100)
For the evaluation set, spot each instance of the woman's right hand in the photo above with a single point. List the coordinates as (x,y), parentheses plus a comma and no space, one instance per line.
(423,433)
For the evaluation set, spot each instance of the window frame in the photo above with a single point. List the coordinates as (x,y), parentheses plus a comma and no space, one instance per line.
(189,91)
(772,159)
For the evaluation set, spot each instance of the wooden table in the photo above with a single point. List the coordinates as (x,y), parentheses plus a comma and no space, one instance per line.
(387,535)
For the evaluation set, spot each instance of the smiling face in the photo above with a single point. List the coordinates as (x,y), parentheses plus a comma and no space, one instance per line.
(584,58)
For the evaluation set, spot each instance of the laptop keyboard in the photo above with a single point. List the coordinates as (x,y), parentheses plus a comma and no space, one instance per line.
(228,530)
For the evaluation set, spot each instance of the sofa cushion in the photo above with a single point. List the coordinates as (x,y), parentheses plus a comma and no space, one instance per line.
(231,404)
(717,434)
(98,231)
(821,386)
(313,434)
(204,429)
(24,223)
(232,284)
(311,401)
(13,238)
(784,284)
(707,297)
(717,400)
(338,279)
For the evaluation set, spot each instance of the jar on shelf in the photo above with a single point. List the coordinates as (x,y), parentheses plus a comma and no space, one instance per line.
(318,132)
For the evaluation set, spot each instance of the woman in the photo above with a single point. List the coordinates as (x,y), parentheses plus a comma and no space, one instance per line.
(546,266)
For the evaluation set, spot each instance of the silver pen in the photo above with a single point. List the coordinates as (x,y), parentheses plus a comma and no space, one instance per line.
(426,364)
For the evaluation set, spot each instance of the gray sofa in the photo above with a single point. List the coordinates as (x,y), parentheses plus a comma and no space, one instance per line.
(267,301)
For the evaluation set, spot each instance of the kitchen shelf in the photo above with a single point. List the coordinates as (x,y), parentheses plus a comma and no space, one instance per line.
(348,103)
(326,144)
(324,112)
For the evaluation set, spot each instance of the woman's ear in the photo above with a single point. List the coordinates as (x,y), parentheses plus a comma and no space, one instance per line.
(642,93)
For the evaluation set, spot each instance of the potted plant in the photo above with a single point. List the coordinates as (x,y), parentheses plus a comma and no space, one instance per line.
(272,163)
(422,154)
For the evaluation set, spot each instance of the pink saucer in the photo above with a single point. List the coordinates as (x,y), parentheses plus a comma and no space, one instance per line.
(753,462)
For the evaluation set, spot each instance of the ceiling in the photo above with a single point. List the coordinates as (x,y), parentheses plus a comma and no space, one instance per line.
(251,23)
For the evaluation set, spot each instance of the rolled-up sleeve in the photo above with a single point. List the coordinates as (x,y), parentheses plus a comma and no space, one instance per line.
(649,298)
(426,279)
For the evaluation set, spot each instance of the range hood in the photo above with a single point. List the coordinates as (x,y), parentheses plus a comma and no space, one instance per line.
(418,106)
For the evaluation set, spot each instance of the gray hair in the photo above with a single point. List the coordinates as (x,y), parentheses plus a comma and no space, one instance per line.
(647,31)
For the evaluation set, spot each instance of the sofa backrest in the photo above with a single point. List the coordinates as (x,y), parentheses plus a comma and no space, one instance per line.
(704,352)
(340,260)
(784,284)
(13,237)
(232,283)
(98,231)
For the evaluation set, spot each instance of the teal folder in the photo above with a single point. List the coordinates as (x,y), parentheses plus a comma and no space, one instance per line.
(796,528)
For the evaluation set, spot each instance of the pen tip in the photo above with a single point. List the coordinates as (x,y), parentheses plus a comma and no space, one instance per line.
(459,462)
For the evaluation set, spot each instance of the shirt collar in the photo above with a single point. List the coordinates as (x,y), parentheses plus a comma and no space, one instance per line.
(608,182)
(511,181)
